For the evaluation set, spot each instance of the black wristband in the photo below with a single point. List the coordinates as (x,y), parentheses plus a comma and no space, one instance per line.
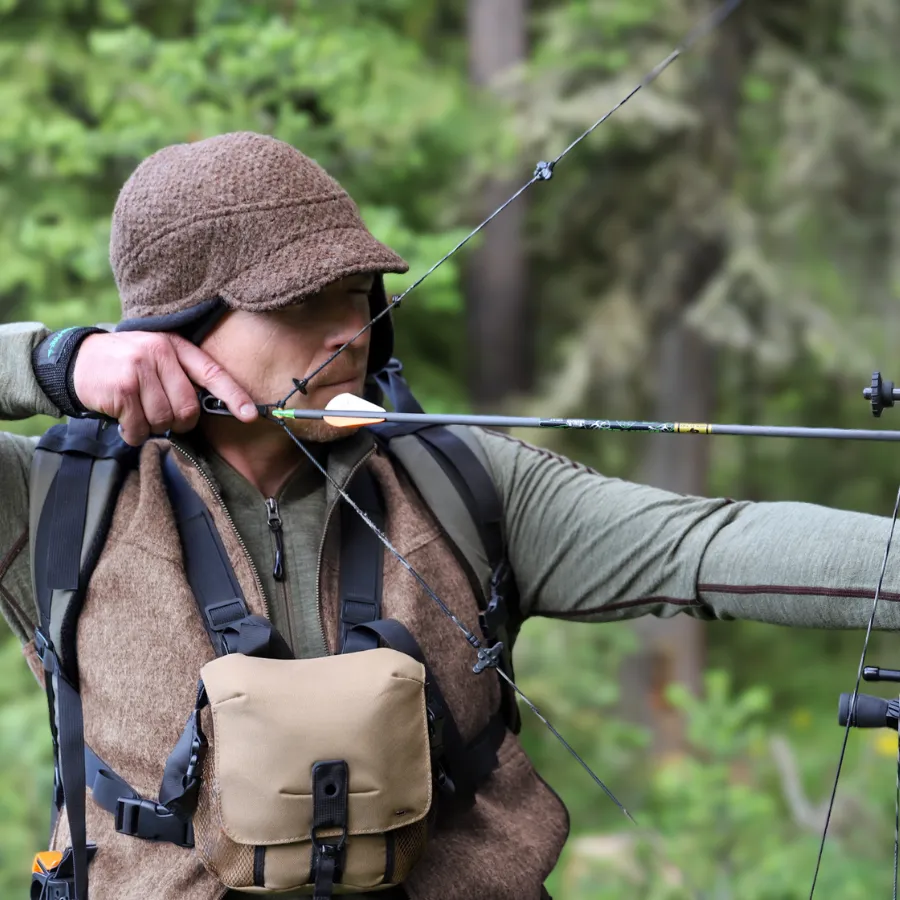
(53,362)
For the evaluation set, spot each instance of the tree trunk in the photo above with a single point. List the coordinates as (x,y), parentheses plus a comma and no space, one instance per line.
(498,319)
(674,650)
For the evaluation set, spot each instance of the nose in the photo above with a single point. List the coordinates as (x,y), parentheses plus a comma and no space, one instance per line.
(350,317)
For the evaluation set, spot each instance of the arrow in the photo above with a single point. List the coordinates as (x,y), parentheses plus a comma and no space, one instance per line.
(349,411)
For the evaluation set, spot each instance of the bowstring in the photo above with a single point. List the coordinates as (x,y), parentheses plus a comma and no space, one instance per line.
(852,712)
(543,172)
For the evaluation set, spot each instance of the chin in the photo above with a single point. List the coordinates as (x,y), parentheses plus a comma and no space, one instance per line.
(319,432)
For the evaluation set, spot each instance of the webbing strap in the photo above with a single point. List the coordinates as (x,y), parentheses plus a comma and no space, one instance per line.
(107,788)
(70,732)
(206,564)
(134,815)
(361,564)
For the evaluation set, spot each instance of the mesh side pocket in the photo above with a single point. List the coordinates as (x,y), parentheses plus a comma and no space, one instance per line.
(409,845)
(231,863)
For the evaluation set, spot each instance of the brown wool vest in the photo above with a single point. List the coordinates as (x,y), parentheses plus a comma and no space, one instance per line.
(141,645)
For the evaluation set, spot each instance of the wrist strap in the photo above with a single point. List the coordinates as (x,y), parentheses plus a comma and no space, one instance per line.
(53,362)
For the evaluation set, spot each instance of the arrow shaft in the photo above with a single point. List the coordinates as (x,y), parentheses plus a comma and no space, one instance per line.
(788,431)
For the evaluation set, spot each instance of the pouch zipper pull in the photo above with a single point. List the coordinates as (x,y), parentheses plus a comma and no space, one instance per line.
(273,517)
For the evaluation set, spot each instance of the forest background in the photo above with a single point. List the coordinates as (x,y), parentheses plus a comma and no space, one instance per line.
(726,247)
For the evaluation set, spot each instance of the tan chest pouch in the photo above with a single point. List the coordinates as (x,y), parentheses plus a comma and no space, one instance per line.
(318,773)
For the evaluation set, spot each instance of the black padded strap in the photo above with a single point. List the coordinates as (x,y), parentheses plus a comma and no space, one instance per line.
(206,564)
(90,437)
(481,753)
(361,565)
(69,501)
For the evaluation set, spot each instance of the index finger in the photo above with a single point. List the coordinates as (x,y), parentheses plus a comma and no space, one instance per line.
(205,372)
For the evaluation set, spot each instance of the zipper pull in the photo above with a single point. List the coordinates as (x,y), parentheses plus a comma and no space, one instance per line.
(273,517)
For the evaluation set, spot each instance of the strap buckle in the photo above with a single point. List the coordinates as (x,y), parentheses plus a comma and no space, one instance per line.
(151,821)
(496,614)
(220,616)
(53,874)
(41,643)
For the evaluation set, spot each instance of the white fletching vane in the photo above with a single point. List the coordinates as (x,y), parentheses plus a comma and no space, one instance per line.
(352,403)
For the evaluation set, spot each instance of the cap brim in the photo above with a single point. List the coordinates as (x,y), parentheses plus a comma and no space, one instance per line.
(304,267)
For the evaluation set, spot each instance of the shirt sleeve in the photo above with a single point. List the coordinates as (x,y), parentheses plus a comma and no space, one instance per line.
(590,548)
(20,397)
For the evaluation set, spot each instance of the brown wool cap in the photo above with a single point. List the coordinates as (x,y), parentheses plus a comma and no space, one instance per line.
(241,216)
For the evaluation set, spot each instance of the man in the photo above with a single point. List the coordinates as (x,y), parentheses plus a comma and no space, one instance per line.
(241,265)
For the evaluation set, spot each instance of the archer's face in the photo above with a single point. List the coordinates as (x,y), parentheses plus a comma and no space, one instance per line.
(264,351)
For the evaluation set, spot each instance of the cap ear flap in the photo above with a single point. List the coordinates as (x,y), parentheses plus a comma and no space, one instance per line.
(381,345)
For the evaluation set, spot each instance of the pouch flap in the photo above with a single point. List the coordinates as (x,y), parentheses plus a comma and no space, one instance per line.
(274,719)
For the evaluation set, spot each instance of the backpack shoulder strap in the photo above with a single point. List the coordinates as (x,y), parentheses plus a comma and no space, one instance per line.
(450,470)
(76,475)
(220,601)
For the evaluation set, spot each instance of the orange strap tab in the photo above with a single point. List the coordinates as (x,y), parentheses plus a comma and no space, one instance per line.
(46,861)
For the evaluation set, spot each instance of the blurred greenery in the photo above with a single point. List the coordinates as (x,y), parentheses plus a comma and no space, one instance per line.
(804,306)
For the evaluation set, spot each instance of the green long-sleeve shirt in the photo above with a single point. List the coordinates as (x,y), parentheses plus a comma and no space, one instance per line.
(583,546)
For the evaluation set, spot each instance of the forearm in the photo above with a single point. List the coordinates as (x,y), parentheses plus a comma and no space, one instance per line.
(16,598)
(20,394)
(803,565)
(20,397)
(590,548)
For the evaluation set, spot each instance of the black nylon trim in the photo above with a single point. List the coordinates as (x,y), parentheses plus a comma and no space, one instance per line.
(259,866)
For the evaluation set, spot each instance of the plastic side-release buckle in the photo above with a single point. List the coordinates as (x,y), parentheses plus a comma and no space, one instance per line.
(53,874)
(41,643)
(151,821)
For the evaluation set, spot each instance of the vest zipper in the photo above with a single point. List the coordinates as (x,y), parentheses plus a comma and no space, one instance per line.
(328,516)
(273,517)
(211,485)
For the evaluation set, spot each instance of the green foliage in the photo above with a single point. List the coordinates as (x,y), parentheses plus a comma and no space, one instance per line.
(88,92)
(804,307)
(721,821)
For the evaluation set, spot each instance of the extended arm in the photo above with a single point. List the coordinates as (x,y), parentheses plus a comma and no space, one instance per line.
(590,548)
